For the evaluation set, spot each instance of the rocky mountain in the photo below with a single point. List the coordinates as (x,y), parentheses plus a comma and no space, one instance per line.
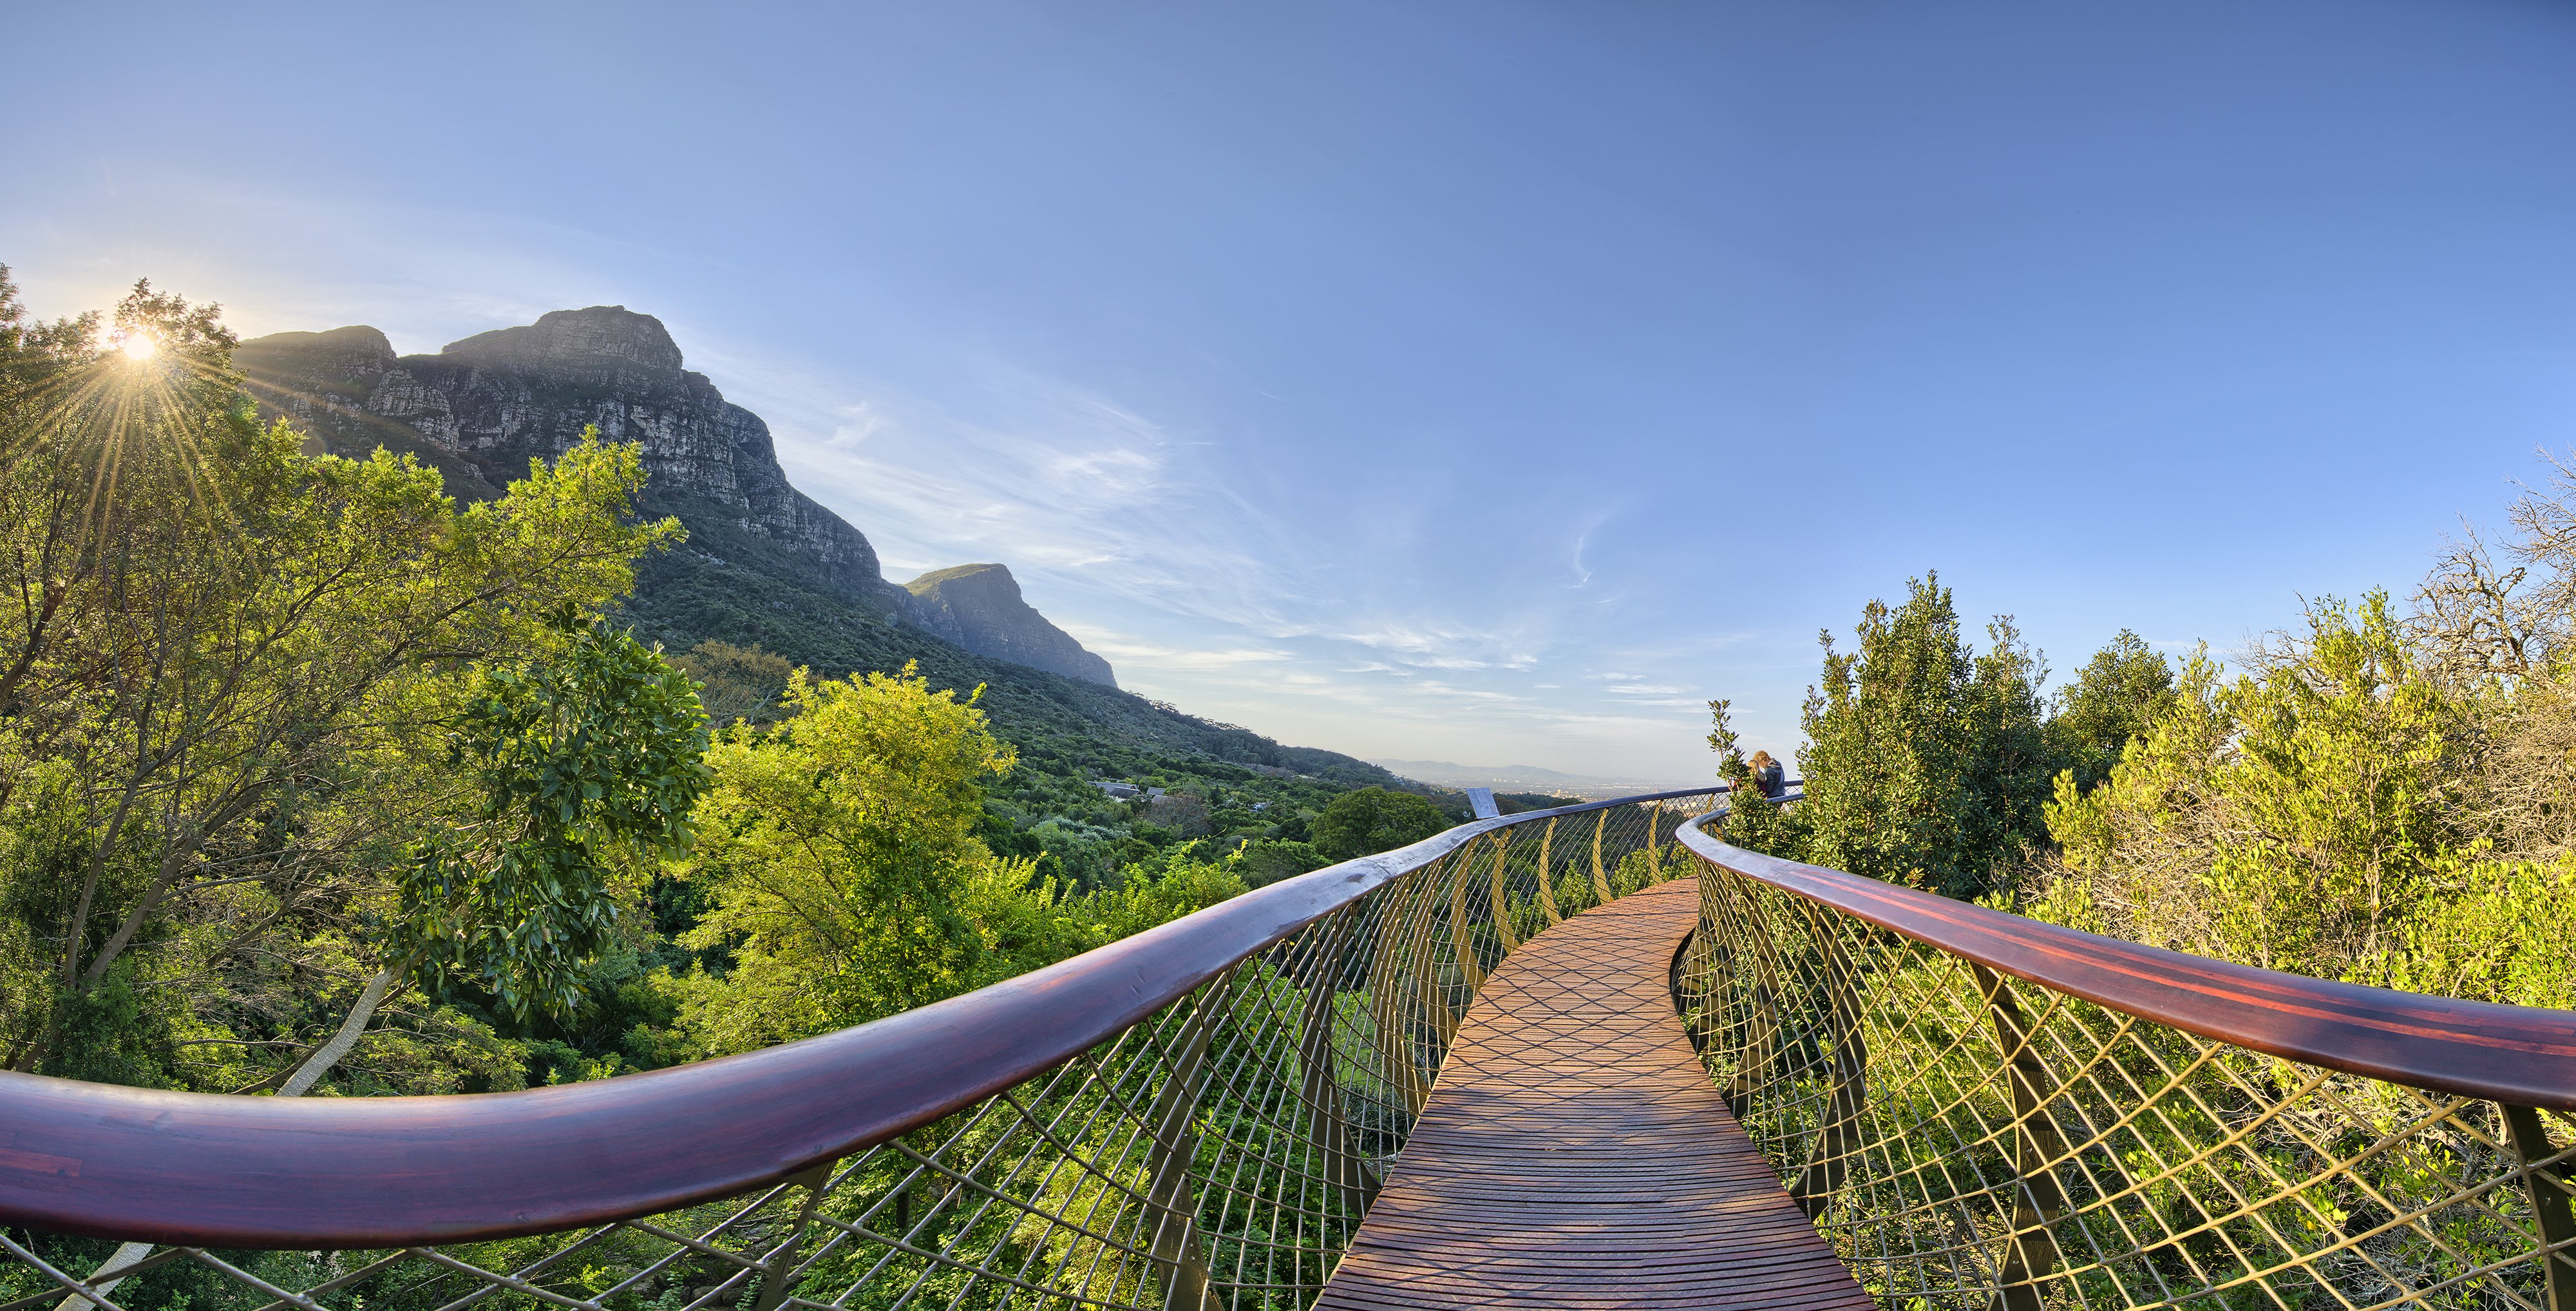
(763,564)
(482,407)
(978,606)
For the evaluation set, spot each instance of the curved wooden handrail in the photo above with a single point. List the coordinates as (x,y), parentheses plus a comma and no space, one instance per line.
(2523,1055)
(209,1170)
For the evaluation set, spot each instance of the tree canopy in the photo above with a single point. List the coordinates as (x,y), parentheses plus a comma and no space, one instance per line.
(1372,820)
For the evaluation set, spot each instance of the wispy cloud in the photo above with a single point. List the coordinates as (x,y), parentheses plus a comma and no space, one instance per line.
(1048,477)
(1054,478)
(1196,591)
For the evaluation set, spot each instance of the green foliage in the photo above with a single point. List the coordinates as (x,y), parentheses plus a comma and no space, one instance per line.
(838,849)
(1271,860)
(2294,817)
(737,682)
(2113,699)
(223,667)
(585,765)
(1925,762)
(2494,930)
(1182,883)
(1372,820)
(1753,820)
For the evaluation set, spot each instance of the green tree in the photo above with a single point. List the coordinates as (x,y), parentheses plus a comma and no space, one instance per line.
(737,682)
(1181,883)
(220,661)
(223,665)
(1925,762)
(1264,861)
(839,857)
(1371,820)
(585,767)
(2113,699)
(2297,817)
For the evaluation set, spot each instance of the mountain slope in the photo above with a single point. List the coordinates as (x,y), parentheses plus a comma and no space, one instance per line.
(979,607)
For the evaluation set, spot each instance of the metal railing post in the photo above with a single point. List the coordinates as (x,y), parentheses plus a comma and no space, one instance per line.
(1759,1053)
(2549,1191)
(1174,1149)
(1600,876)
(1547,877)
(779,1264)
(2038,1201)
(1461,939)
(1838,1139)
(1326,1128)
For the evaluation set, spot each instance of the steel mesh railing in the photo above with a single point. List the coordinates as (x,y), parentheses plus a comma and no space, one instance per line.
(1218,1151)
(1974,1136)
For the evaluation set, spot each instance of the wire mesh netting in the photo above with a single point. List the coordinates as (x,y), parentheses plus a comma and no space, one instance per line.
(1219,1153)
(1967,1139)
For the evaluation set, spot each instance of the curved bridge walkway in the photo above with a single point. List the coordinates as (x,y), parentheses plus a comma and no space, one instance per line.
(1575,1154)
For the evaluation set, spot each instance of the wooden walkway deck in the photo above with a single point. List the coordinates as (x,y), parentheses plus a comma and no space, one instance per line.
(1574,1153)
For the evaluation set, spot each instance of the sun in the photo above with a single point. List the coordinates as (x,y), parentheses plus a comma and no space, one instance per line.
(138,346)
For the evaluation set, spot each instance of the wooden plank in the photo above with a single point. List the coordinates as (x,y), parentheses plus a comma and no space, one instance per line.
(1573,1152)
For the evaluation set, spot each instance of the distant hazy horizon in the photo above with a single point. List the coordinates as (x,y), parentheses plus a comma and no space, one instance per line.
(1445,381)
(1527,778)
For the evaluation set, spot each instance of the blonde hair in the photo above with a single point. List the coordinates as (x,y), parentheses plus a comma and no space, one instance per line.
(1760,758)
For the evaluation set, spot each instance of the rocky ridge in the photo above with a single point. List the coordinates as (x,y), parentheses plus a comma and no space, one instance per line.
(979,607)
(482,407)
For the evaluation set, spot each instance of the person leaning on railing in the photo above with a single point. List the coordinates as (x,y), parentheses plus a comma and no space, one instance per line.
(1768,775)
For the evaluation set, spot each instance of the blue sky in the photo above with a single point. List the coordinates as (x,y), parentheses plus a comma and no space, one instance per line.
(1483,382)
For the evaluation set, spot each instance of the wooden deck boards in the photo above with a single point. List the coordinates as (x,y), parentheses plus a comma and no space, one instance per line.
(1574,1154)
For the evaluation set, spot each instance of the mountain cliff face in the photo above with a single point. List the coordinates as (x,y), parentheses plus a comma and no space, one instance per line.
(763,564)
(481,408)
(978,606)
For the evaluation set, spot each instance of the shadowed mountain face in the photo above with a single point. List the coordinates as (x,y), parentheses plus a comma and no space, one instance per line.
(978,606)
(484,406)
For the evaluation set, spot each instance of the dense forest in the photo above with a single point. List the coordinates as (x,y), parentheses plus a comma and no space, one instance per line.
(2384,793)
(317,778)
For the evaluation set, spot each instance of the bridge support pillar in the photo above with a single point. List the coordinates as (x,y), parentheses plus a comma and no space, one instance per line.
(1838,1139)
(2550,1191)
(2038,1200)
(1171,1202)
(1325,1127)
(777,1269)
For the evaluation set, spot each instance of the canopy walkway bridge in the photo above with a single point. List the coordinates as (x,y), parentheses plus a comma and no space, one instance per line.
(1584,1057)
